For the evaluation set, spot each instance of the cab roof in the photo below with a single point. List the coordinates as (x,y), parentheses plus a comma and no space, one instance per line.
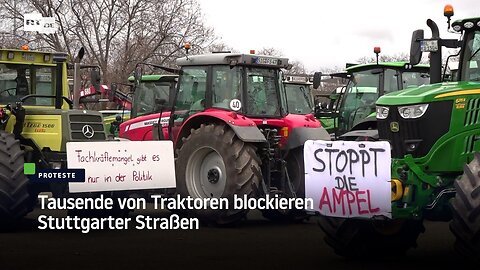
(233,59)
(395,65)
(155,77)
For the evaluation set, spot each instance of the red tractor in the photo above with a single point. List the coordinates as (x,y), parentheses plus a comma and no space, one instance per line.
(233,134)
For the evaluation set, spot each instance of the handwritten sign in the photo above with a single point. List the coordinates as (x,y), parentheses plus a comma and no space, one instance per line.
(124,165)
(348,179)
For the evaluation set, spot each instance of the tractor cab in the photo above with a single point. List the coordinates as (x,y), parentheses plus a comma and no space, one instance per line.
(19,79)
(367,82)
(246,84)
(152,88)
(299,94)
(148,116)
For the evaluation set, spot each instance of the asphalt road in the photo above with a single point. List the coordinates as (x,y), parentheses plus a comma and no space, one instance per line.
(254,244)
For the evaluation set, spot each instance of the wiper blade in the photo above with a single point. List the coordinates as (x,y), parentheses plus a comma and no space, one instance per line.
(475,53)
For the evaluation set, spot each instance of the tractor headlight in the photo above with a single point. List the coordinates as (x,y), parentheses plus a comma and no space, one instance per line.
(382,112)
(413,111)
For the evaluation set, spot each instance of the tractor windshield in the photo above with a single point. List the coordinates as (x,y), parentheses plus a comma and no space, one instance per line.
(359,99)
(412,79)
(17,81)
(192,89)
(227,86)
(471,57)
(263,92)
(298,98)
(145,95)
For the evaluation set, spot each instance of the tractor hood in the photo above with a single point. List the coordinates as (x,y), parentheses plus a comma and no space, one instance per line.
(430,93)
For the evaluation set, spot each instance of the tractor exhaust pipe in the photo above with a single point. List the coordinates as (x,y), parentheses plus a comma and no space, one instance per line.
(76,78)
(435,56)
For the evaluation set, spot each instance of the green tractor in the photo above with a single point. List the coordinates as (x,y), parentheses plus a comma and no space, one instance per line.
(433,131)
(146,94)
(37,120)
(354,113)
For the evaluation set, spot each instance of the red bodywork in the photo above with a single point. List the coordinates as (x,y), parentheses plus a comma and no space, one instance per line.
(141,128)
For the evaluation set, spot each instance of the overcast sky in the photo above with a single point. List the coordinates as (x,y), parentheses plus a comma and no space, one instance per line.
(322,33)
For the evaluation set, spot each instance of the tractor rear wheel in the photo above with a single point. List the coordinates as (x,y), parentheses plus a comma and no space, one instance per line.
(15,201)
(296,174)
(357,239)
(214,163)
(466,211)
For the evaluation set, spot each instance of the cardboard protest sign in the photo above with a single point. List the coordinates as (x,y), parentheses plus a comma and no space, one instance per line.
(347,178)
(123,165)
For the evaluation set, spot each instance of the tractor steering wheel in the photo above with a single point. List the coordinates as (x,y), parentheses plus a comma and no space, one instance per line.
(8,91)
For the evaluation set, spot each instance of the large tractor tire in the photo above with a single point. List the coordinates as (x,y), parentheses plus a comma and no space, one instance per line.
(15,201)
(358,239)
(466,211)
(296,173)
(214,163)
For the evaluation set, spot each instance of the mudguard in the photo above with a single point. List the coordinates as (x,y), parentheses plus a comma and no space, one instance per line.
(248,133)
(298,136)
(244,128)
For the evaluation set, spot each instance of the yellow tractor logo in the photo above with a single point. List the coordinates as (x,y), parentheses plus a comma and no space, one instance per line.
(394,127)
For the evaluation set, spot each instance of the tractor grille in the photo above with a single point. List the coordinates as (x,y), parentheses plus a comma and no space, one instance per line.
(95,123)
(416,136)
(473,112)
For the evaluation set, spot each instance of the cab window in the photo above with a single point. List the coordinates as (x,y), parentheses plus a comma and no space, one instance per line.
(227,85)
(193,85)
(17,81)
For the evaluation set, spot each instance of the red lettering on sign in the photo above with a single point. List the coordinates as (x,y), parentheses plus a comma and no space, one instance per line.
(345,202)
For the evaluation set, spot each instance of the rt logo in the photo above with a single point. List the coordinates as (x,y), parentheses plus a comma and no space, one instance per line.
(32,22)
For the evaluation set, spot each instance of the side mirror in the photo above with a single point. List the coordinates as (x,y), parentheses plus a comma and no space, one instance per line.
(415,47)
(113,92)
(95,78)
(317,78)
(80,55)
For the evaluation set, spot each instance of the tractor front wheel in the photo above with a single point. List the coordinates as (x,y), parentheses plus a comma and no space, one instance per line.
(357,239)
(15,201)
(214,163)
(466,211)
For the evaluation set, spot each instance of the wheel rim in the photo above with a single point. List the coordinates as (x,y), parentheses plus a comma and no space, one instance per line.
(205,174)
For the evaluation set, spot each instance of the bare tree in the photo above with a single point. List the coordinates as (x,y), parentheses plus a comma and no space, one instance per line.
(400,57)
(270,51)
(116,33)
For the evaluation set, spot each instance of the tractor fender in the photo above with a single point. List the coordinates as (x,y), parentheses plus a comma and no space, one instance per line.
(298,136)
(366,133)
(244,128)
